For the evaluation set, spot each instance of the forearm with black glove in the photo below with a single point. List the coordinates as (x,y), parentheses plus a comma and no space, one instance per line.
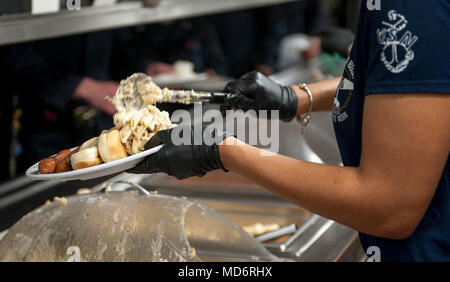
(254,91)
(187,151)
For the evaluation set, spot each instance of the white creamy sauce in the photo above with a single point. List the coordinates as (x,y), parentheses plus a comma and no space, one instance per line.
(137,118)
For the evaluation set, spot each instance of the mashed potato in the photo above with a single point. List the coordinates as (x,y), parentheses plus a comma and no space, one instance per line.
(137,118)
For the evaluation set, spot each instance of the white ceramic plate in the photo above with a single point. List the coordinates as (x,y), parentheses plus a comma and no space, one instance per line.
(94,171)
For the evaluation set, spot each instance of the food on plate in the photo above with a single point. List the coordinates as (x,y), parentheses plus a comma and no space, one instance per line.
(87,156)
(90,143)
(47,165)
(110,146)
(57,163)
(137,91)
(136,121)
(138,126)
(63,166)
(62,155)
(137,118)
(77,149)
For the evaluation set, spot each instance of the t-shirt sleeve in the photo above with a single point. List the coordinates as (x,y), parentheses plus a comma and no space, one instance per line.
(408,48)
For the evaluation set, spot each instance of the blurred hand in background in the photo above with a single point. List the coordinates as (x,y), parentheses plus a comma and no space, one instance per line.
(154,69)
(264,69)
(94,92)
(314,49)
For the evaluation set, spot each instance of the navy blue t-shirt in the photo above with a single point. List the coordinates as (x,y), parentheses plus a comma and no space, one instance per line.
(402,47)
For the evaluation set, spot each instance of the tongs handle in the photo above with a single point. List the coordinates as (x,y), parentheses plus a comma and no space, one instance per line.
(277,233)
(189,97)
(218,98)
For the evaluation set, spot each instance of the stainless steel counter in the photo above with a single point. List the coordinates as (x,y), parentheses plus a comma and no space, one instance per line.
(21,28)
(316,238)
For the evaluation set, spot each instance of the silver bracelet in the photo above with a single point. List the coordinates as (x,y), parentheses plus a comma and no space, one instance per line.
(304,119)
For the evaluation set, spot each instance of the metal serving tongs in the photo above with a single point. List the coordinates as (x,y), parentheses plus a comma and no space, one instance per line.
(177,96)
(189,97)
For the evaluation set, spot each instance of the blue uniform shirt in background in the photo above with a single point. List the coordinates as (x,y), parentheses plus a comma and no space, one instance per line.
(401,46)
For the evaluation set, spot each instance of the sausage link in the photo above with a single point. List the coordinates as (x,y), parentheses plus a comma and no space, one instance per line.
(47,165)
(64,165)
(62,155)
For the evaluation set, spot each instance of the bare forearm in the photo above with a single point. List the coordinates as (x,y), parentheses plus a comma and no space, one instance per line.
(323,94)
(334,192)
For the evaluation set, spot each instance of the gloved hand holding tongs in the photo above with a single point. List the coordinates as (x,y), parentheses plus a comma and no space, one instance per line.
(253,91)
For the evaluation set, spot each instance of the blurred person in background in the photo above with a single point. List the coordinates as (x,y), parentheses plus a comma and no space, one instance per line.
(54,77)
(6,115)
(157,47)
(251,38)
(59,77)
(392,124)
(238,37)
(276,22)
(160,45)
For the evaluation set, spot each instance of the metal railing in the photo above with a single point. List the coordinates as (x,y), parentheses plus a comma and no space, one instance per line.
(26,27)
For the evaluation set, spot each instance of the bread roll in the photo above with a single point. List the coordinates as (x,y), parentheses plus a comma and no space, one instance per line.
(110,146)
(90,143)
(87,156)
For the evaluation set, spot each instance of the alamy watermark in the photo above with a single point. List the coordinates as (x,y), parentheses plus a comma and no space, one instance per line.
(73,5)
(251,127)
(74,254)
(374,254)
(373,5)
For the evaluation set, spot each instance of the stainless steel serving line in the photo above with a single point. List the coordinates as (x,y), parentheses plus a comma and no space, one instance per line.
(316,239)
(22,195)
(21,28)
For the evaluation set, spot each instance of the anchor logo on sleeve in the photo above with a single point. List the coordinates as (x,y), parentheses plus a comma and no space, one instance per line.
(397,52)
(344,93)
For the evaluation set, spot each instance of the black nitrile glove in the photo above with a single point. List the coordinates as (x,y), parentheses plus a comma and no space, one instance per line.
(184,158)
(254,91)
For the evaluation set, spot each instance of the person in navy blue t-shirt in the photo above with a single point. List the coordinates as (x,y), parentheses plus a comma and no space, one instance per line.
(392,122)
(399,63)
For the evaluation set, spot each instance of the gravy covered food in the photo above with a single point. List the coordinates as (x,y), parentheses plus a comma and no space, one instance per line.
(137,119)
